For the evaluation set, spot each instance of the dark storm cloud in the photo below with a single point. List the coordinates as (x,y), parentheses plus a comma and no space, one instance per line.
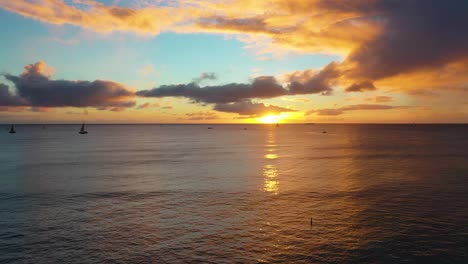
(229,98)
(250,108)
(35,88)
(361,86)
(417,34)
(261,87)
(308,82)
(8,99)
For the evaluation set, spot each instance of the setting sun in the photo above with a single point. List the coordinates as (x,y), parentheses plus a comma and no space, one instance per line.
(270,119)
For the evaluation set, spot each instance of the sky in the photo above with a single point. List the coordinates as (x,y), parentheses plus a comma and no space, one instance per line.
(233,61)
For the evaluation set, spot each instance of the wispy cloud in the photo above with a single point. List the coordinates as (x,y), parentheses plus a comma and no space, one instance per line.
(300,100)
(147,70)
(380,99)
(342,110)
(201,116)
(148,105)
(206,76)
(250,109)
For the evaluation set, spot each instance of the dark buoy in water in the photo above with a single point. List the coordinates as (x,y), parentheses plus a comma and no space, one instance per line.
(324,132)
(12,130)
(82,130)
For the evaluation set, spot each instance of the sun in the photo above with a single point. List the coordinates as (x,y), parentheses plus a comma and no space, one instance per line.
(270,119)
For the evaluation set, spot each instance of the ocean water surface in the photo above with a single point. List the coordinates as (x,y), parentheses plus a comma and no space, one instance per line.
(267,194)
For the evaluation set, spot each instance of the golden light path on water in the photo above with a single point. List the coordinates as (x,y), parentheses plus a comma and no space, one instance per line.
(270,170)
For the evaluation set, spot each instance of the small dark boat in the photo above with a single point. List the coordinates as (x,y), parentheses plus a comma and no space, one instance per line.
(324,132)
(12,130)
(82,130)
(210,128)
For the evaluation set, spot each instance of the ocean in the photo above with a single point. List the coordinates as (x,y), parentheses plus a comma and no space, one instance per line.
(263,194)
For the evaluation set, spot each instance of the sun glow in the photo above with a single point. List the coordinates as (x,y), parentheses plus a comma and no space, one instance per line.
(270,119)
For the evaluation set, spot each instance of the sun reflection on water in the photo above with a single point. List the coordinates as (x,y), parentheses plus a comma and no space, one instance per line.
(271,156)
(270,170)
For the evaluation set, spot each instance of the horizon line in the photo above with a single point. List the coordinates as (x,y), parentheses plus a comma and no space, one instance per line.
(267,124)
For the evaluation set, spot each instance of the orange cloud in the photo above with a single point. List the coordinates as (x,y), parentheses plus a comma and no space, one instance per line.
(99,17)
(451,76)
(290,24)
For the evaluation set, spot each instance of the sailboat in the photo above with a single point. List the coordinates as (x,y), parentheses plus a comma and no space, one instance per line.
(12,129)
(82,130)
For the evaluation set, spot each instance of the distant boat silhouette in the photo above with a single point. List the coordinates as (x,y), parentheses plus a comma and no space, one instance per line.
(12,129)
(324,132)
(82,130)
(210,128)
